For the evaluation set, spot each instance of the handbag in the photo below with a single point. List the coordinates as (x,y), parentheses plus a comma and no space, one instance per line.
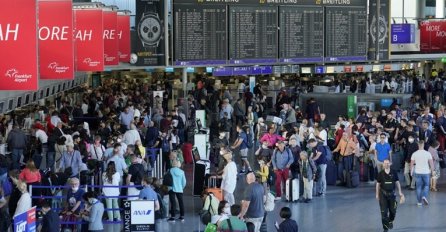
(206,215)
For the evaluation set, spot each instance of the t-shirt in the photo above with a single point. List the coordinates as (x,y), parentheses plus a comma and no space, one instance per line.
(148,193)
(382,151)
(72,198)
(236,224)
(254,194)
(244,137)
(387,181)
(421,158)
(137,172)
(322,158)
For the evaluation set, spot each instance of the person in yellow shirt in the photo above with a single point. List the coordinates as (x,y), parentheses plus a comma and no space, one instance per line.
(141,149)
(263,173)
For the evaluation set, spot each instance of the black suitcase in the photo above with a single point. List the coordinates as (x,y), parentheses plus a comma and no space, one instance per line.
(331,174)
(364,171)
(199,178)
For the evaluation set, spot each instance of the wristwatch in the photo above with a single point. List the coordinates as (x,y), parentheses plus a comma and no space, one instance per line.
(150,28)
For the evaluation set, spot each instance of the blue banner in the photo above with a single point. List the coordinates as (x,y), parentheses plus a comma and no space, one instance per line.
(26,222)
(403,33)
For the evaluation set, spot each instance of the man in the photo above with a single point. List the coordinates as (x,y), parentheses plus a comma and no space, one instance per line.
(242,144)
(118,158)
(226,107)
(16,141)
(147,193)
(253,208)
(410,147)
(282,159)
(426,134)
(50,221)
(42,139)
(229,177)
(126,117)
(382,151)
(290,116)
(385,193)
(71,159)
(152,134)
(131,136)
(134,177)
(323,122)
(319,157)
(420,162)
(236,223)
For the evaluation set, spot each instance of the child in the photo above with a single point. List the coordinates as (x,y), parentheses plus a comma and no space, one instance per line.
(263,173)
(288,224)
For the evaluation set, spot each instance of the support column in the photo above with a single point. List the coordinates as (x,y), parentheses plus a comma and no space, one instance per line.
(421,5)
(184,81)
(439,9)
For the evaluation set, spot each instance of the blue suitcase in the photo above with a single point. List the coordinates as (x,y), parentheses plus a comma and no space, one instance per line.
(332,173)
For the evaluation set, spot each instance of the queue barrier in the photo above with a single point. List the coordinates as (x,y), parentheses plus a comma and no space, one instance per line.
(154,157)
(86,187)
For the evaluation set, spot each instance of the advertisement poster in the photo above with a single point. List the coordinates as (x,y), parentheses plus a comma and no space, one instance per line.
(89,44)
(139,215)
(56,47)
(26,222)
(111,37)
(379,30)
(433,36)
(18,45)
(148,42)
(124,37)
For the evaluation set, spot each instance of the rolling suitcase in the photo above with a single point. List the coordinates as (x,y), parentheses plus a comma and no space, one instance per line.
(212,188)
(364,171)
(331,175)
(292,190)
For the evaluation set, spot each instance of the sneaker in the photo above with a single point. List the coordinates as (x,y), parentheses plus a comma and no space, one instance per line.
(181,219)
(390,225)
(419,204)
(171,219)
(278,198)
(425,201)
(307,201)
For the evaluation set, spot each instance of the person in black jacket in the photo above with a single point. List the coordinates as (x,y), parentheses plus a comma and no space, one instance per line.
(288,224)
(50,220)
(16,141)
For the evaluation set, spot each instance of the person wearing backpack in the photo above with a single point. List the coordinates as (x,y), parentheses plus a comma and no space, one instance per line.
(319,157)
(282,159)
(242,143)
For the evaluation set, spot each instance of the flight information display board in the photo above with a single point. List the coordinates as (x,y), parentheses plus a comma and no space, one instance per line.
(346,33)
(200,34)
(301,34)
(253,34)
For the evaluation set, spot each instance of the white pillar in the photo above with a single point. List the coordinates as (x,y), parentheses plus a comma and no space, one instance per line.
(439,9)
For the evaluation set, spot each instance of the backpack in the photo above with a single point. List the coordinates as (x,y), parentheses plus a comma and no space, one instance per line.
(250,143)
(168,179)
(269,202)
(328,154)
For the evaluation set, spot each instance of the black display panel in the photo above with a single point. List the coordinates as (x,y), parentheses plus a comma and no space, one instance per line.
(346,33)
(253,34)
(301,34)
(200,34)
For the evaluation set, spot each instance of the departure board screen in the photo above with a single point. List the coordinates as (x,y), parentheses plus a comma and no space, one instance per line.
(301,34)
(200,34)
(253,34)
(346,33)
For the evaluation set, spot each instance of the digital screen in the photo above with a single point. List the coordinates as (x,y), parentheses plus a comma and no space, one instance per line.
(386,102)
(306,70)
(169,70)
(209,69)
(190,70)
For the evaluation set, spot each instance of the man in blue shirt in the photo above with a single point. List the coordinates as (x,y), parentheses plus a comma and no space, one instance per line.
(147,193)
(282,159)
(383,151)
(242,144)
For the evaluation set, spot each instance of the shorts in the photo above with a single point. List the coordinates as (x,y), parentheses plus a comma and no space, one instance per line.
(244,154)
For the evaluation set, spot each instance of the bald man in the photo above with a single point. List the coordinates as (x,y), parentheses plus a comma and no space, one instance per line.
(253,209)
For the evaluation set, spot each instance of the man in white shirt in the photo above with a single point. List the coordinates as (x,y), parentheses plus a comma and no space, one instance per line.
(42,137)
(421,167)
(131,136)
(229,177)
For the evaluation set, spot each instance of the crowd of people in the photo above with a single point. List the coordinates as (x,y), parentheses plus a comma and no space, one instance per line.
(127,125)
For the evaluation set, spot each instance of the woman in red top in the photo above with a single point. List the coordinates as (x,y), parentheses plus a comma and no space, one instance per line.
(31,176)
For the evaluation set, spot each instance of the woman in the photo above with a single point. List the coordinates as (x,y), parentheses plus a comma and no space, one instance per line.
(229,177)
(31,176)
(24,203)
(224,211)
(94,216)
(179,183)
(111,178)
(174,140)
(433,149)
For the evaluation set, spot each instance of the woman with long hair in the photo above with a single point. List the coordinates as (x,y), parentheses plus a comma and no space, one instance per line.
(111,178)
(31,176)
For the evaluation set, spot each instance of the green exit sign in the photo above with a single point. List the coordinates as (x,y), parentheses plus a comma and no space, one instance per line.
(443,60)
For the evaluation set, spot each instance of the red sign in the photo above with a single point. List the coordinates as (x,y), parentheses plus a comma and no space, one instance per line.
(433,36)
(124,38)
(56,47)
(387,67)
(347,69)
(111,40)
(359,68)
(89,44)
(18,45)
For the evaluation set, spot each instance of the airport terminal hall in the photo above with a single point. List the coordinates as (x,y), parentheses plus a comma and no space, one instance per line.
(222,115)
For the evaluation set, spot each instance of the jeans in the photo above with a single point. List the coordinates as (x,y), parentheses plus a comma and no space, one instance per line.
(16,155)
(422,186)
(322,183)
(50,160)
(347,163)
(173,203)
(281,176)
(112,203)
(256,221)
